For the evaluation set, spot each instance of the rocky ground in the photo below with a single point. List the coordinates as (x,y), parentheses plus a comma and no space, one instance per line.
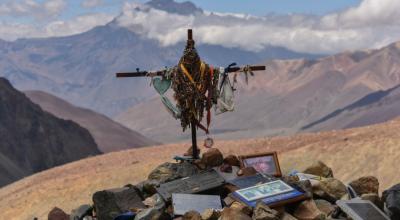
(353,153)
(144,201)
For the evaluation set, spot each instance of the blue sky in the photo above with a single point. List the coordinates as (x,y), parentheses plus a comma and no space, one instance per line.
(254,7)
(339,24)
(262,7)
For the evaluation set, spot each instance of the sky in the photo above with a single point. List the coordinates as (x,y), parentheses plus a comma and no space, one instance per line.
(262,7)
(314,26)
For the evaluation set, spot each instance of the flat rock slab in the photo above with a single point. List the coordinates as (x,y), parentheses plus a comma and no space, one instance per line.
(113,202)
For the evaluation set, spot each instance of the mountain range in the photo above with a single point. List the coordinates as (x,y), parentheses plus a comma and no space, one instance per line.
(33,140)
(339,91)
(81,68)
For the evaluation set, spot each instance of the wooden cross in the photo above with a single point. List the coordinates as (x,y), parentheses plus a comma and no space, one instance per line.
(193,123)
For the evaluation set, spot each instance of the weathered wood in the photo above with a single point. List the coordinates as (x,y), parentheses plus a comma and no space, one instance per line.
(162,72)
(194,141)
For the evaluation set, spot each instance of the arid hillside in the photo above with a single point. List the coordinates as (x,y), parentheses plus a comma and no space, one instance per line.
(33,140)
(289,95)
(372,150)
(108,134)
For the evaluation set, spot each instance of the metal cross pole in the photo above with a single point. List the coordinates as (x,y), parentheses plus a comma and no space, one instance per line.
(193,123)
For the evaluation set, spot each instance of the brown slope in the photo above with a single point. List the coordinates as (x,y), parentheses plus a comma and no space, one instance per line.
(376,107)
(32,140)
(374,151)
(287,96)
(109,135)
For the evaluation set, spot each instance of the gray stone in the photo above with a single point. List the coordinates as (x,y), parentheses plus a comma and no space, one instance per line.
(241,207)
(210,214)
(233,214)
(191,215)
(154,201)
(172,171)
(325,206)
(306,186)
(365,185)
(374,198)
(287,216)
(307,210)
(391,197)
(330,189)
(212,158)
(149,214)
(232,160)
(148,187)
(81,212)
(263,212)
(319,169)
(247,171)
(111,203)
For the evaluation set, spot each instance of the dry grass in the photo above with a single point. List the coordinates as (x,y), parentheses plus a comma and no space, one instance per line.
(372,150)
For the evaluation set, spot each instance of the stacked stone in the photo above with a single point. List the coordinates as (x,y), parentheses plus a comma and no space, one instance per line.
(143,199)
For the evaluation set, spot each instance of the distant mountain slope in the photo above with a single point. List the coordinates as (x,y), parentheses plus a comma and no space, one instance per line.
(109,135)
(289,95)
(374,108)
(351,153)
(32,140)
(82,67)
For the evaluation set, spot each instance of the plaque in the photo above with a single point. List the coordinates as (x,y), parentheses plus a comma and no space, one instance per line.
(274,194)
(359,209)
(192,184)
(183,203)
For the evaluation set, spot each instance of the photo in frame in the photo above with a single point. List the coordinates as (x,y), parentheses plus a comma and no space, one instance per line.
(264,163)
(264,190)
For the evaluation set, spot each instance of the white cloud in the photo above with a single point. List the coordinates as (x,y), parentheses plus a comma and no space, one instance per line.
(371,24)
(31,8)
(91,3)
(56,28)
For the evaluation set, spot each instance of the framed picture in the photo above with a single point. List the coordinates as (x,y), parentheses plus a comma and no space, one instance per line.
(265,163)
(264,190)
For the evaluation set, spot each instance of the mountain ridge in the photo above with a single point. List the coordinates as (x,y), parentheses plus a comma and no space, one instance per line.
(80,68)
(29,134)
(109,135)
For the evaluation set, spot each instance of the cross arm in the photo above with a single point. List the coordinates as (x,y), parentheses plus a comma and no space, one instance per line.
(141,73)
(162,72)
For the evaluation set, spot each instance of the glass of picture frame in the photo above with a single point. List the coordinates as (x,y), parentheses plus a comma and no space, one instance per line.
(264,163)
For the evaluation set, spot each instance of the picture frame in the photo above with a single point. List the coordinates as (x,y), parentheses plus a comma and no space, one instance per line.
(264,163)
(275,193)
(264,190)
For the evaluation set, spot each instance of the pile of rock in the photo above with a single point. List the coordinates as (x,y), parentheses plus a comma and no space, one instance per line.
(142,202)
